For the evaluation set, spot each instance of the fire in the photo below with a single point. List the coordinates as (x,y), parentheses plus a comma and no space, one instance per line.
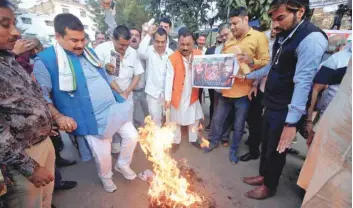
(168,187)
(204,143)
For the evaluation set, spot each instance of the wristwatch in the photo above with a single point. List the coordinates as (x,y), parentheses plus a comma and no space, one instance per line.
(290,124)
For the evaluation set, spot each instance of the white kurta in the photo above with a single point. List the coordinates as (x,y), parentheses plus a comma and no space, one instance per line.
(186,114)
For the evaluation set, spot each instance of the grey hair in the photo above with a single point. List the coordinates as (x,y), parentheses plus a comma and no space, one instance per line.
(222,27)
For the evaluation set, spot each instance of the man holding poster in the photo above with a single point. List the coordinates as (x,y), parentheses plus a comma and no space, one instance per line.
(251,48)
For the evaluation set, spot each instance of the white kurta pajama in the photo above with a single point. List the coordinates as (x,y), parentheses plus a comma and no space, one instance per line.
(187,114)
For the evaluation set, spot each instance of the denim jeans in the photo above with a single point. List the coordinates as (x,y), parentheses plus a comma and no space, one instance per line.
(240,107)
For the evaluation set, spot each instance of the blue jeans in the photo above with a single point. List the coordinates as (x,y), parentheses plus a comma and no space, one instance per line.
(240,107)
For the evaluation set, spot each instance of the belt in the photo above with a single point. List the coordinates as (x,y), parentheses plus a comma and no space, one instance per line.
(138,90)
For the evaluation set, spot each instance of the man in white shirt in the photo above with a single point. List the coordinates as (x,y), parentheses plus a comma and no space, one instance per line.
(139,95)
(180,96)
(127,70)
(156,57)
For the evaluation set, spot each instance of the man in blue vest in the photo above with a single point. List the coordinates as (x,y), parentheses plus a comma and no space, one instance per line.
(297,53)
(79,95)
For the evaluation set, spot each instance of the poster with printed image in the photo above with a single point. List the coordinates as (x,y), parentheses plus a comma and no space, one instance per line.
(214,71)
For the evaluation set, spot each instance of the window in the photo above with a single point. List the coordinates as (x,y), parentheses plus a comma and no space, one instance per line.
(86,27)
(26,20)
(49,23)
(66,10)
(83,13)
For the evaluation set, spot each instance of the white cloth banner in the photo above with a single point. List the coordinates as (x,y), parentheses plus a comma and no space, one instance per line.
(322,3)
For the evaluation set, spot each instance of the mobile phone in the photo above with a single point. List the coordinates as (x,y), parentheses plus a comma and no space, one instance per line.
(112,5)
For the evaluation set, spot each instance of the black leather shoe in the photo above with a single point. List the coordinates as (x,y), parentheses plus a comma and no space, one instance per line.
(248,156)
(61,162)
(66,185)
(196,144)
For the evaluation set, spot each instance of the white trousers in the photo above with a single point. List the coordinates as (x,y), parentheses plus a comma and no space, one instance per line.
(156,108)
(192,133)
(101,150)
(117,137)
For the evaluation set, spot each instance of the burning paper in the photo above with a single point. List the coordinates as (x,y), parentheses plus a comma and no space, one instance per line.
(168,188)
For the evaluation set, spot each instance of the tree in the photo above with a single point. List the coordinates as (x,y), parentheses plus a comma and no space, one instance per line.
(97,14)
(257,10)
(132,13)
(15,4)
(192,13)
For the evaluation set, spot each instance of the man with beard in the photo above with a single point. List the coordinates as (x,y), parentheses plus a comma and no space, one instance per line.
(180,96)
(297,53)
(79,94)
(27,155)
(156,58)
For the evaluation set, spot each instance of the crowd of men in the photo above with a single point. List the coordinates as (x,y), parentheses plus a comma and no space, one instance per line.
(288,77)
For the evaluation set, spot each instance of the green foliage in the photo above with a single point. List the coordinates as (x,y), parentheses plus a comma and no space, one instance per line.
(257,9)
(132,13)
(191,12)
(97,14)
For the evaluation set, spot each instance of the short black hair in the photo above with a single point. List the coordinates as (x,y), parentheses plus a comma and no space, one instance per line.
(6,4)
(69,21)
(98,33)
(202,35)
(135,28)
(121,31)
(238,12)
(160,31)
(166,20)
(292,5)
(184,32)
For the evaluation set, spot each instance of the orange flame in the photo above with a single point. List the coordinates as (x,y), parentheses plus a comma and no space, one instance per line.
(204,143)
(168,183)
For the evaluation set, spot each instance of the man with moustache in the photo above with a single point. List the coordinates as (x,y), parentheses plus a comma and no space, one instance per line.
(180,96)
(297,53)
(201,43)
(156,57)
(139,95)
(126,71)
(82,101)
(27,155)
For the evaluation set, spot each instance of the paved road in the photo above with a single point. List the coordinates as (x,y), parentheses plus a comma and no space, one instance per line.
(222,179)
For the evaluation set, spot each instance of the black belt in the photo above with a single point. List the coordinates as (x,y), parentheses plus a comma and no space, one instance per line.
(138,90)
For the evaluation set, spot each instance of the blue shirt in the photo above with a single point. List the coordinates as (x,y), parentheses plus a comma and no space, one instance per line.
(309,53)
(334,62)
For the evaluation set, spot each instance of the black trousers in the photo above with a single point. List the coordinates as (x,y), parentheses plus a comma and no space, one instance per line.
(211,93)
(272,162)
(254,121)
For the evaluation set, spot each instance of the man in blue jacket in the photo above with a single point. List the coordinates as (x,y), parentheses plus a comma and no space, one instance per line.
(82,99)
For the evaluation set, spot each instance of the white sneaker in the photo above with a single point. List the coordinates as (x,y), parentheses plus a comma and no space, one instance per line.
(108,185)
(116,147)
(127,172)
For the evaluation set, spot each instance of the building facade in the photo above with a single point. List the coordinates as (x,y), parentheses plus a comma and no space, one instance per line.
(39,20)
